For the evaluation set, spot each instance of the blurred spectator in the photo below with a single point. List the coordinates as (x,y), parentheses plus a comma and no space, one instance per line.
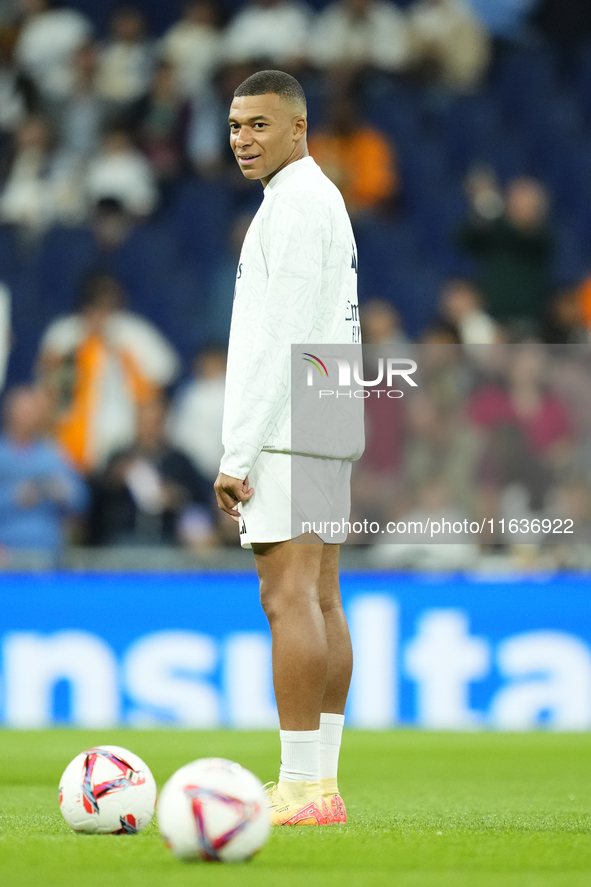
(376,477)
(83,113)
(528,436)
(411,549)
(527,402)
(46,45)
(570,372)
(372,181)
(444,374)
(127,59)
(569,317)
(360,34)
(513,252)
(440,441)
(110,224)
(484,192)
(150,493)
(194,46)
(449,46)
(440,333)
(376,481)
(121,172)
(18,94)
(195,425)
(38,190)
(160,122)
(38,489)
(208,143)
(100,364)
(461,305)
(380,323)
(269,31)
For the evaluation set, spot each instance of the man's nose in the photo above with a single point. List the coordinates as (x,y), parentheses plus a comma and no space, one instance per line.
(244,137)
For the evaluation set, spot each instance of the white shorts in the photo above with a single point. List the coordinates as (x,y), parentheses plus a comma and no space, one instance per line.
(321,501)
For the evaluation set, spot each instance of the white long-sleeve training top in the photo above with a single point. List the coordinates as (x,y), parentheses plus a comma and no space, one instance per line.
(296,284)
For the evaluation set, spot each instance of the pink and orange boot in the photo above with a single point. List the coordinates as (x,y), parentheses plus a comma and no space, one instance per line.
(299,803)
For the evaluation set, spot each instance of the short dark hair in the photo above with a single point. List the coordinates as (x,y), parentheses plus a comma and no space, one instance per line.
(95,285)
(277,82)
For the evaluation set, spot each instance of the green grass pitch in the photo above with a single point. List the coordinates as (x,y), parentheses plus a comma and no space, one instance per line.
(425,810)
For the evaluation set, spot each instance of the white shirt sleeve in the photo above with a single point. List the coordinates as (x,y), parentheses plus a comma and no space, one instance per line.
(63,335)
(293,237)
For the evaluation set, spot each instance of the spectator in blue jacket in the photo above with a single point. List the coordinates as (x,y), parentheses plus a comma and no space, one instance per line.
(38,488)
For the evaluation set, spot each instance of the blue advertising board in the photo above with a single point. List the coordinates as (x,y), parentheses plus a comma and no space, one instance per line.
(194,651)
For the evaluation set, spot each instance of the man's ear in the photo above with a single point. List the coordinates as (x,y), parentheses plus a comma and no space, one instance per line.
(300,126)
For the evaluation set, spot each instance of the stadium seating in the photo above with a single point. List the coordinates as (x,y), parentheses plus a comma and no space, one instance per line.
(532,117)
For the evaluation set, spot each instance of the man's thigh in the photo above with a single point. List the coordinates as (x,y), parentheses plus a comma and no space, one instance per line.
(289,569)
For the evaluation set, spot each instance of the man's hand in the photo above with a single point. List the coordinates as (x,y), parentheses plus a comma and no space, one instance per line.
(231,490)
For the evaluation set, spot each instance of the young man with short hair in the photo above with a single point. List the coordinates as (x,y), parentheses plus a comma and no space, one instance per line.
(296,284)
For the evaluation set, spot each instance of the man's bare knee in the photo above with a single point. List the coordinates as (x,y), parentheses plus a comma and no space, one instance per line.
(290,596)
(271,601)
(289,577)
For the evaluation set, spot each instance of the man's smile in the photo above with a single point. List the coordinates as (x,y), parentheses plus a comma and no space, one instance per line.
(245,159)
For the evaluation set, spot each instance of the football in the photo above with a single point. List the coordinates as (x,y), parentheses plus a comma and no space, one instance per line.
(215,810)
(107,790)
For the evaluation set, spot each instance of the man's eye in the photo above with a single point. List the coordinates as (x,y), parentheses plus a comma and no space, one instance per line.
(260,124)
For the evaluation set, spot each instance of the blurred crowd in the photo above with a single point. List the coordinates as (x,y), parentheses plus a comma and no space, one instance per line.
(115,140)
(95,449)
(497,435)
(89,117)
(118,117)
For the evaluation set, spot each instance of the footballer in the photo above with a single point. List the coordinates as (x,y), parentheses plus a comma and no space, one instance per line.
(296,283)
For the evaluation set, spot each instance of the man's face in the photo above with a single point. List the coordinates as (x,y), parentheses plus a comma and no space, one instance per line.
(266,133)
(26,413)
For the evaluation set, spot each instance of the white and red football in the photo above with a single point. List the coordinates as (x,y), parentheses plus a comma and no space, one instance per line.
(215,810)
(107,790)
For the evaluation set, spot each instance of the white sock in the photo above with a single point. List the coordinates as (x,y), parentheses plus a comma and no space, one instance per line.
(331,734)
(300,755)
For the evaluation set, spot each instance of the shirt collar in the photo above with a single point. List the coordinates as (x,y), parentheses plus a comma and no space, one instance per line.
(287,171)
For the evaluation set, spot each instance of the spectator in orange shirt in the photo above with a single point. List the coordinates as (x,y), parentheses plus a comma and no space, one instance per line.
(100,364)
(371,182)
